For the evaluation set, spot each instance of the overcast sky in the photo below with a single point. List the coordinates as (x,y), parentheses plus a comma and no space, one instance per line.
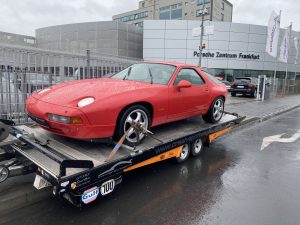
(24,16)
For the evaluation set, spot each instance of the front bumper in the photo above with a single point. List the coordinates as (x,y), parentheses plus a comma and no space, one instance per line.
(38,111)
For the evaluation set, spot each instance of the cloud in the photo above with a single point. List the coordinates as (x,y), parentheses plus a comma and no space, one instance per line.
(25,16)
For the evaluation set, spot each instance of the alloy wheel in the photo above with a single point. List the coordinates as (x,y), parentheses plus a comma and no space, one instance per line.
(218,109)
(137,116)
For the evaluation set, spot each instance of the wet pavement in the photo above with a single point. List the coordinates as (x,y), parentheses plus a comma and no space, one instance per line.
(233,182)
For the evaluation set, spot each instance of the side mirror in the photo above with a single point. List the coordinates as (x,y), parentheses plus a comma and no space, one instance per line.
(184,84)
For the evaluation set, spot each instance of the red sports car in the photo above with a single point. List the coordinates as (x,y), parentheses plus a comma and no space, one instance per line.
(151,93)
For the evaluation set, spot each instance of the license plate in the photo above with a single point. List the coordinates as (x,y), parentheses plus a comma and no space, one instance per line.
(240,86)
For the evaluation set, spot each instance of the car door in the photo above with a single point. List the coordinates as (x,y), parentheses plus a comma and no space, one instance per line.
(187,102)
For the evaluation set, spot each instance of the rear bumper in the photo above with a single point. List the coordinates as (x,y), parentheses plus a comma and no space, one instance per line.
(39,110)
(242,91)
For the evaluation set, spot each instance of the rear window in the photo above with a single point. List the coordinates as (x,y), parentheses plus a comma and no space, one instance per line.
(212,78)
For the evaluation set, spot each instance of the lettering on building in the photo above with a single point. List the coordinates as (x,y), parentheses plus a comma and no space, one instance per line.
(227,55)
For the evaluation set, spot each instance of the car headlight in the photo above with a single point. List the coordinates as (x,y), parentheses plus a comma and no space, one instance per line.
(85,102)
(64,119)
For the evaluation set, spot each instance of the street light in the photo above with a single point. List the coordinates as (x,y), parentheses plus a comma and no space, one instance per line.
(202,12)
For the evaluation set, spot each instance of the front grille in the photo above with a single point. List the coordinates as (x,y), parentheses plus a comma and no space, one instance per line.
(39,121)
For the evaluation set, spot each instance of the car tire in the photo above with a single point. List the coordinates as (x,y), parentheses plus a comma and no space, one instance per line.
(197,147)
(137,113)
(215,111)
(233,94)
(185,153)
(254,94)
(4,173)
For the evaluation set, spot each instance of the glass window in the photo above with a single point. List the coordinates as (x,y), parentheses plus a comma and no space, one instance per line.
(222,5)
(147,72)
(189,75)
(175,14)
(213,78)
(164,15)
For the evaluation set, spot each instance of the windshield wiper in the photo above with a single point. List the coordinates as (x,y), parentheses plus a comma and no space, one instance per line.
(151,76)
(128,73)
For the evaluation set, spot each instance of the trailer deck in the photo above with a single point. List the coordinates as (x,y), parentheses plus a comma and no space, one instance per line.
(79,168)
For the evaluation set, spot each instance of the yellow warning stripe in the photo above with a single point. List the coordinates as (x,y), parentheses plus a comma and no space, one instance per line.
(174,153)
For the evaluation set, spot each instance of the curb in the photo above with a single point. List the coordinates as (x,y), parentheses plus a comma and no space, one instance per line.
(256,120)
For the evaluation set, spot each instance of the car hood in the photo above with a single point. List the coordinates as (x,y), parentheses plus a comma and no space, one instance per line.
(68,94)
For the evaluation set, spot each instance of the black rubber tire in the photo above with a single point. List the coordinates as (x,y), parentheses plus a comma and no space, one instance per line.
(119,132)
(5,174)
(253,95)
(233,94)
(186,156)
(209,118)
(197,151)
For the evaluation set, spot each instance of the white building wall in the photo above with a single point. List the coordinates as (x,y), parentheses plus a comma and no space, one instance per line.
(173,41)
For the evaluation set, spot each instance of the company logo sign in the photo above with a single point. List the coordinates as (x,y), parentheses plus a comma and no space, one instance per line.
(227,55)
(90,195)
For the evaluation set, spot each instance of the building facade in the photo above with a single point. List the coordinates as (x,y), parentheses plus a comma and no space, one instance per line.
(106,38)
(217,10)
(17,39)
(232,50)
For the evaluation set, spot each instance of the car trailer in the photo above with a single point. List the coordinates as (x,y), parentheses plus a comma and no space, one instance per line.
(82,171)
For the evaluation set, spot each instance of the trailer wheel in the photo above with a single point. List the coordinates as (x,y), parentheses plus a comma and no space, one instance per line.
(184,155)
(4,173)
(197,147)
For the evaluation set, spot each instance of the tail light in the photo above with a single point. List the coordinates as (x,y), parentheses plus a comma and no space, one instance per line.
(250,85)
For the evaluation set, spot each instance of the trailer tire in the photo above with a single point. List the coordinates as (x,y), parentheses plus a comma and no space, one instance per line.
(197,147)
(215,111)
(184,155)
(4,173)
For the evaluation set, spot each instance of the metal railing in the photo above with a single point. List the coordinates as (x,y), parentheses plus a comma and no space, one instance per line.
(16,86)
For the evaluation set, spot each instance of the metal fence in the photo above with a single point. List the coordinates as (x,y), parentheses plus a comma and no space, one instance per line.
(17,85)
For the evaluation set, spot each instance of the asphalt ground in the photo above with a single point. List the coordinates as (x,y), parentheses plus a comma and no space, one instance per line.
(18,192)
(233,182)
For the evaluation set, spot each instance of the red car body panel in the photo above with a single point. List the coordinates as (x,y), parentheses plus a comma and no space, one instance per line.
(113,95)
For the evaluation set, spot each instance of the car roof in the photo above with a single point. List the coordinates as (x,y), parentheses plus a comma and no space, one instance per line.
(173,63)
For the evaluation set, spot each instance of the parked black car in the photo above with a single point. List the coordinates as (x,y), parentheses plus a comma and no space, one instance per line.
(245,86)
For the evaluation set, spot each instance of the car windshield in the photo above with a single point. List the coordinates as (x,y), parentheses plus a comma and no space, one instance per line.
(147,72)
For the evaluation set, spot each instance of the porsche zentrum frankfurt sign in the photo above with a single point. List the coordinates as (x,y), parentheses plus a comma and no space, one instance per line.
(227,55)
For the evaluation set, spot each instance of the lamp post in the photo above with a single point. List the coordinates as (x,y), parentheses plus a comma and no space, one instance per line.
(203,12)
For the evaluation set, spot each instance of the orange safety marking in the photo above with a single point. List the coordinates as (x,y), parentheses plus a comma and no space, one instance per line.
(175,152)
(213,136)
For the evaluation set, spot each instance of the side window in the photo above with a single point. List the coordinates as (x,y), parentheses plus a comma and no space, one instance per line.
(189,75)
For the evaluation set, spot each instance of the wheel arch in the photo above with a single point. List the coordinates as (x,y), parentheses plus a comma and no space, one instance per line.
(147,105)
